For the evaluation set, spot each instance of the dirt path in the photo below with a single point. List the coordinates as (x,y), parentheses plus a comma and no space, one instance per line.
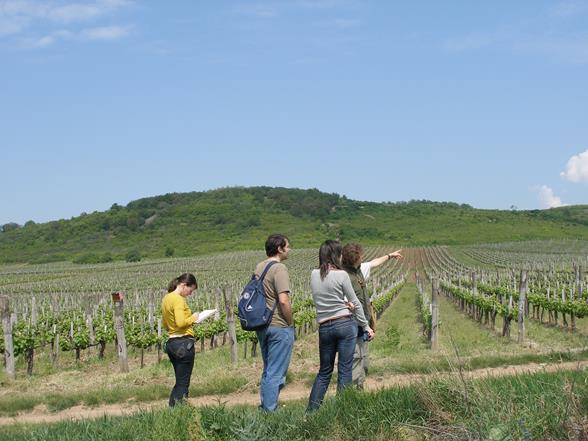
(296,391)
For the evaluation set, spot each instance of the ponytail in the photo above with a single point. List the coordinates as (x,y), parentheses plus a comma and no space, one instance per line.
(187,278)
(173,285)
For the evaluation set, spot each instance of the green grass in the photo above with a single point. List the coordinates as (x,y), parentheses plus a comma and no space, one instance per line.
(537,406)
(154,382)
(11,405)
(401,347)
(170,424)
(556,337)
(523,407)
(475,339)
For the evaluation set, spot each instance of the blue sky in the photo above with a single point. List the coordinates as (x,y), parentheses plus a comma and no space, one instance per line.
(108,101)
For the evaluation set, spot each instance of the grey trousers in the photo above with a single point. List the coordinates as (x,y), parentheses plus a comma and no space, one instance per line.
(360,362)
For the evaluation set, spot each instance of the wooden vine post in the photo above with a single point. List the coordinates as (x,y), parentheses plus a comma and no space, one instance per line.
(522,302)
(231,325)
(579,282)
(159,341)
(578,295)
(34,311)
(507,318)
(90,325)
(435,315)
(474,293)
(474,283)
(8,344)
(151,311)
(119,326)
(217,297)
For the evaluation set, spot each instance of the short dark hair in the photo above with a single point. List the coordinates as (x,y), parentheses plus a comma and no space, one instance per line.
(273,243)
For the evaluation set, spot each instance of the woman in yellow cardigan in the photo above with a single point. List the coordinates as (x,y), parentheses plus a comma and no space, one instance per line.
(178,320)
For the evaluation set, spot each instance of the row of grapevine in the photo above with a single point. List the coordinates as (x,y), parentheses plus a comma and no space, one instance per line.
(77,321)
(488,293)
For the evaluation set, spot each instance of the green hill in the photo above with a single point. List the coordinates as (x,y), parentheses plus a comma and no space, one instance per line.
(187,224)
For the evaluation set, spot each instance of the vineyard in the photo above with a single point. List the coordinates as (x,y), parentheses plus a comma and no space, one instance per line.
(58,309)
(471,306)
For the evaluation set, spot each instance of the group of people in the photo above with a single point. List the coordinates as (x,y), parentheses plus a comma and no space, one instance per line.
(343,310)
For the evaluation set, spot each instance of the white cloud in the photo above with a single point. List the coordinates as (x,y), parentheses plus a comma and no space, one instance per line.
(23,8)
(471,42)
(568,46)
(8,27)
(344,23)
(75,12)
(103,33)
(45,41)
(106,33)
(547,198)
(577,168)
(268,9)
(258,10)
(21,16)
(16,15)
(546,33)
(66,12)
(569,8)
(325,4)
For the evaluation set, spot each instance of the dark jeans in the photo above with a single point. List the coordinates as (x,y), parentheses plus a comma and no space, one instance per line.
(181,353)
(335,336)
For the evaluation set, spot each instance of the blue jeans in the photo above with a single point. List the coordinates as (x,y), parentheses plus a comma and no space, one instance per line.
(335,336)
(276,349)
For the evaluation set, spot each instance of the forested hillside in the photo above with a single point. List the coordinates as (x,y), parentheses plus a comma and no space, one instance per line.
(188,224)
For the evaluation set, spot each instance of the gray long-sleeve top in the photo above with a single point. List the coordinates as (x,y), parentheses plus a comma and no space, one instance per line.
(328,295)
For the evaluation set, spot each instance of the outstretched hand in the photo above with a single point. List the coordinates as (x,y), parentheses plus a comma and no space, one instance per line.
(396,254)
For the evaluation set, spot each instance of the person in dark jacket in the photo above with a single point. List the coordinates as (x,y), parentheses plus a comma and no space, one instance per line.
(359,273)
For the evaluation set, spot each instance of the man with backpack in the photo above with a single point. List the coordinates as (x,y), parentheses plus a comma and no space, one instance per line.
(277,339)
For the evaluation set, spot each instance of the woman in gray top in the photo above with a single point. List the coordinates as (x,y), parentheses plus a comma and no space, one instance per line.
(334,299)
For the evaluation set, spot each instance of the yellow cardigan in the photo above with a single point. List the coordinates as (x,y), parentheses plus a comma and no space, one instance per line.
(176,315)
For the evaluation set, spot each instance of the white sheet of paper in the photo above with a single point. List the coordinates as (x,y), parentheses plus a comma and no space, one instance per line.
(203,315)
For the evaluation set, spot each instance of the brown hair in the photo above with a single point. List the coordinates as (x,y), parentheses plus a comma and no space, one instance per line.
(352,254)
(187,278)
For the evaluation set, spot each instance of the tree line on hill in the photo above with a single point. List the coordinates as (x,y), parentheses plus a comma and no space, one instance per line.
(185,224)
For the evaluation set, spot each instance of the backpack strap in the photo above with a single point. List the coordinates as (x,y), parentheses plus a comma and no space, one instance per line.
(267,267)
